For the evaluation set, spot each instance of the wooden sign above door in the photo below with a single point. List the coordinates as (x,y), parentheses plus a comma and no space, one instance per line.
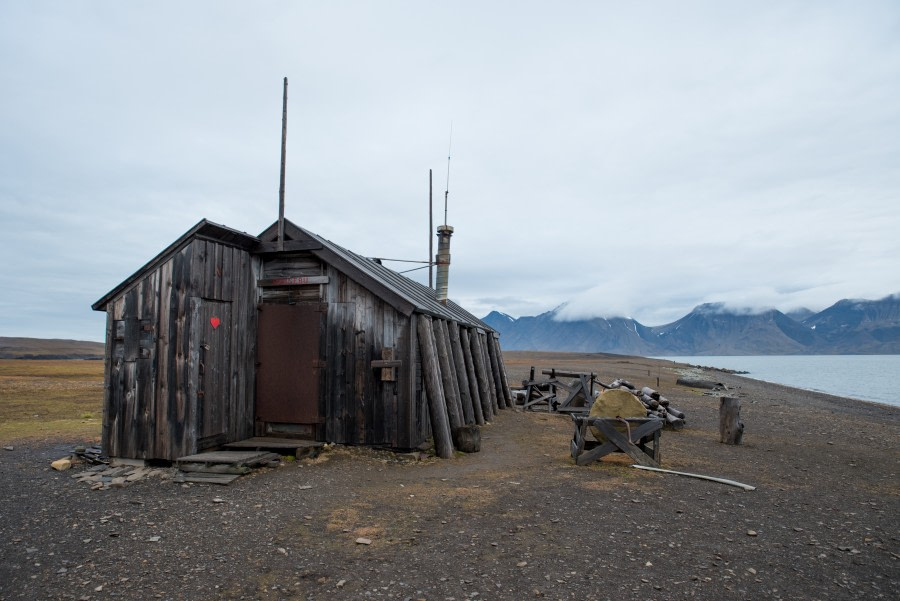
(303,280)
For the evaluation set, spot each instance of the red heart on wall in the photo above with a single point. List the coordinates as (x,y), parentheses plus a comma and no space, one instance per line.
(214,322)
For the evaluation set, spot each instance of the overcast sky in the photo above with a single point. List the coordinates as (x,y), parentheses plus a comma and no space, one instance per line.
(630,158)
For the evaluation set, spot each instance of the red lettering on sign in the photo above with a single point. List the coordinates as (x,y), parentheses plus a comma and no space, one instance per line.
(300,280)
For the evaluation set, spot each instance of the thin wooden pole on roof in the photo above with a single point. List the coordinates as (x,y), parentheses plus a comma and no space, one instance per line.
(283,152)
(430,234)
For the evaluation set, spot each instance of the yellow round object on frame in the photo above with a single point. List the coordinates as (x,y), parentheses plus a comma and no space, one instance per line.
(616,402)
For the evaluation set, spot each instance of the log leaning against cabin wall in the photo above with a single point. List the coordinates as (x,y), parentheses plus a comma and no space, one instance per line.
(445,334)
(447,378)
(484,389)
(431,374)
(495,369)
(470,375)
(488,366)
(504,383)
(461,374)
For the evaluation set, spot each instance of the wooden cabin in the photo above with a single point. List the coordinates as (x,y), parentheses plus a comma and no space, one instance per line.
(224,336)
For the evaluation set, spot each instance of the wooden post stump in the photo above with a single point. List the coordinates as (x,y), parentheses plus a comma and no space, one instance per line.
(731,428)
(467,438)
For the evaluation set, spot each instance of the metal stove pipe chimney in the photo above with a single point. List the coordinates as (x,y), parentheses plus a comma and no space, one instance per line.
(443,262)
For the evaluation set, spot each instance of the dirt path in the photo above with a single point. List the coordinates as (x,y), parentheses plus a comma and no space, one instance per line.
(516,521)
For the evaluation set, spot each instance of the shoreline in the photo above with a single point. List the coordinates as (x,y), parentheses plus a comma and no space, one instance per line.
(864,377)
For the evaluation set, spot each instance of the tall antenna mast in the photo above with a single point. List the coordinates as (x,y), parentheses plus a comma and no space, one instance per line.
(283,151)
(447,189)
(430,237)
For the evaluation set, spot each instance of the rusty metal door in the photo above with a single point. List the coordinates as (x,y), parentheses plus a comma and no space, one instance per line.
(287,379)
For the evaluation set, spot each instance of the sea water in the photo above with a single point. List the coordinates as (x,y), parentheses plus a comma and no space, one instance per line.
(867,377)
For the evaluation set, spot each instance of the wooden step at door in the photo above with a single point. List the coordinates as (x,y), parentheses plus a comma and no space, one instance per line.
(220,467)
(285,446)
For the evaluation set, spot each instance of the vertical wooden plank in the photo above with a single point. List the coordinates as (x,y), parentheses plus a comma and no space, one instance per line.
(361,408)
(246,339)
(470,374)
(195,270)
(179,410)
(348,344)
(391,338)
(422,416)
(106,439)
(145,373)
(406,402)
(219,270)
(192,417)
(340,379)
(230,263)
(232,288)
(373,325)
(212,274)
(162,356)
(130,431)
(208,288)
(332,352)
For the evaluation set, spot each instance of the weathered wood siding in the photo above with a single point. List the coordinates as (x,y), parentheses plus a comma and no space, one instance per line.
(360,408)
(292,266)
(166,393)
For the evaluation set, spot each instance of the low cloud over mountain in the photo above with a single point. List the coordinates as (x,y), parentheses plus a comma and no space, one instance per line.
(847,327)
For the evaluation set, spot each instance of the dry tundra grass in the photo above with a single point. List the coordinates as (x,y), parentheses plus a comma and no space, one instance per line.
(50,399)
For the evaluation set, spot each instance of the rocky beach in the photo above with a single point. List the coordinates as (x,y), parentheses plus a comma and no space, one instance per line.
(517,520)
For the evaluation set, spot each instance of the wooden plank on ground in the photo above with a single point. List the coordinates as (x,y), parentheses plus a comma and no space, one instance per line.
(235,457)
(271,443)
(206,478)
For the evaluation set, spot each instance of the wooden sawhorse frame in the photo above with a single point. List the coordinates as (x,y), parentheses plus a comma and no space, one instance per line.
(580,391)
(640,442)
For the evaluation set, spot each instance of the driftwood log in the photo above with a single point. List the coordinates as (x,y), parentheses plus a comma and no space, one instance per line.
(731,428)
(703,384)
(506,390)
(489,365)
(481,345)
(454,410)
(503,398)
(470,372)
(484,390)
(462,375)
(657,405)
(437,405)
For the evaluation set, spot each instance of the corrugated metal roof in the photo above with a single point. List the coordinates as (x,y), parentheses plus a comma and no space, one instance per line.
(420,296)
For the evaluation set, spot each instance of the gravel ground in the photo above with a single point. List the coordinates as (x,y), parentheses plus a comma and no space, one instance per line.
(516,521)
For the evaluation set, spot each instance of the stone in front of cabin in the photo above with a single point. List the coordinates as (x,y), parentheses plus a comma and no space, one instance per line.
(61,465)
